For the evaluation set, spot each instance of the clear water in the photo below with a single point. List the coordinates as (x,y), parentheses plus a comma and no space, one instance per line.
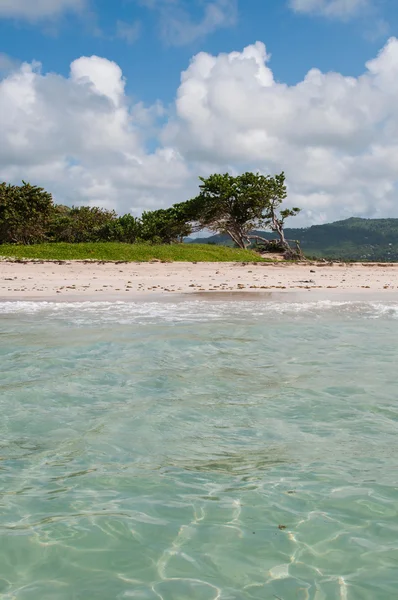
(199,450)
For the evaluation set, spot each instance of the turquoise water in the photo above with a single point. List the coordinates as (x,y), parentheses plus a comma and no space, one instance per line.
(199,450)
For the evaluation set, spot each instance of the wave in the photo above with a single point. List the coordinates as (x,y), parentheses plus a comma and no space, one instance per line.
(197,310)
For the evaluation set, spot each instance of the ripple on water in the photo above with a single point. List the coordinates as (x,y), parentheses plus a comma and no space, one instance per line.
(198,450)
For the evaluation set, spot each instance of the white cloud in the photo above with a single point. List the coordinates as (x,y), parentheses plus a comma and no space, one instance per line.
(178,26)
(82,138)
(104,77)
(340,9)
(336,137)
(34,10)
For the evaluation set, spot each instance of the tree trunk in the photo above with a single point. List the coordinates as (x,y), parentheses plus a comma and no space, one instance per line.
(258,237)
(237,238)
(289,254)
(278,228)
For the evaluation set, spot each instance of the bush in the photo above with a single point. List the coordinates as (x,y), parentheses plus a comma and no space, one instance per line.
(24,213)
(80,224)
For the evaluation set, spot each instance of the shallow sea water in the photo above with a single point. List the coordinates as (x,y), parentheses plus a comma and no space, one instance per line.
(199,450)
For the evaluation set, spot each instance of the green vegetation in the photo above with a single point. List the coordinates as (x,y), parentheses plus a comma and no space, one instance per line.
(113,251)
(28,216)
(233,205)
(350,240)
(25,212)
(237,205)
(245,211)
(354,239)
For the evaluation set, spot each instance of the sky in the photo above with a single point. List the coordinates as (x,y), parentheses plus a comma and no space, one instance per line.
(125,103)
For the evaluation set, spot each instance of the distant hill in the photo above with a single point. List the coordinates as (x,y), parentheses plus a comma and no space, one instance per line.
(352,239)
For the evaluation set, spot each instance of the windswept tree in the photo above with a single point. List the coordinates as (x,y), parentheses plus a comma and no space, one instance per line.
(24,213)
(274,216)
(238,205)
(228,204)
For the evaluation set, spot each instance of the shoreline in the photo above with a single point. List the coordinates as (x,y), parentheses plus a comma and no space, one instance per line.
(213,297)
(103,281)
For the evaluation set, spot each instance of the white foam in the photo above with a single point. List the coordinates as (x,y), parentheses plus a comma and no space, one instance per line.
(195,310)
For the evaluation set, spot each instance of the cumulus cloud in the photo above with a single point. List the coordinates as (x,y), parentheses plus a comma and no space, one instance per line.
(82,139)
(335,136)
(80,136)
(34,10)
(178,26)
(340,9)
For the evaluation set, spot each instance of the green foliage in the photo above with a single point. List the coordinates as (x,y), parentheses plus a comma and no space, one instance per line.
(130,252)
(79,224)
(349,240)
(127,229)
(234,205)
(24,213)
(237,205)
(28,215)
(164,226)
(123,229)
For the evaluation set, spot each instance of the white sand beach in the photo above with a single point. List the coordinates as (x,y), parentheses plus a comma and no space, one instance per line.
(76,279)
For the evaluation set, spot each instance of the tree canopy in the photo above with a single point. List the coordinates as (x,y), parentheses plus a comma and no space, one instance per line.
(235,205)
(24,213)
(238,205)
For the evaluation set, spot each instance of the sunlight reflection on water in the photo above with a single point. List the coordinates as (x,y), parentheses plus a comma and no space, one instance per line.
(231,450)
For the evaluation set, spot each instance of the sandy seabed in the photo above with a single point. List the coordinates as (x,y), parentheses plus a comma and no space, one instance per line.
(77,280)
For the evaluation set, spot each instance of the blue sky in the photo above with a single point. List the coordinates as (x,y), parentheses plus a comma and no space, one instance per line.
(153,64)
(149,43)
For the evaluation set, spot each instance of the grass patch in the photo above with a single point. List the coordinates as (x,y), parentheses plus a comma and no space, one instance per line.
(110,251)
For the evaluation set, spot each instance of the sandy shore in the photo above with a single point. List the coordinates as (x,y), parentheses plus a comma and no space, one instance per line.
(76,280)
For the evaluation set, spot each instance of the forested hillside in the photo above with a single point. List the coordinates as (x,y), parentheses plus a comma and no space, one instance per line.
(352,239)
